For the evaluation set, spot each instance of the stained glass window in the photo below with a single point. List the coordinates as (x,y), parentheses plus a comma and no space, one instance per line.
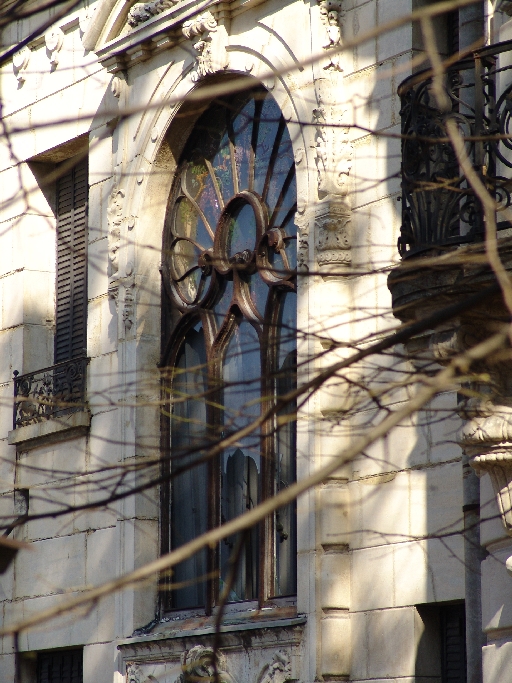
(229,259)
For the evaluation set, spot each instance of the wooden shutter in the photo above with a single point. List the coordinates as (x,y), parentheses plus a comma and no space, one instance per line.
(71,286)
(453,635)
(60,667)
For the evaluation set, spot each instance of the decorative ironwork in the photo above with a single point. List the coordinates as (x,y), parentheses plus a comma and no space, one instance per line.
(439,207)
(52,392)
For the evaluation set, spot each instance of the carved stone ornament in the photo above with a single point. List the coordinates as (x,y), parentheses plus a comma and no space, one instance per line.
(210,46)
(302,222)
(333,236)
(278,671)
(487,440)
(333,148)
(115,219)
(118,84)
(134,674)
(54,40)
(129,305)
(20,63)
(198,664)
(144,11)
(330,16)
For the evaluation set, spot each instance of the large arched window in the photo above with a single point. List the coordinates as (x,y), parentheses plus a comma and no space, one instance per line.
(230,348)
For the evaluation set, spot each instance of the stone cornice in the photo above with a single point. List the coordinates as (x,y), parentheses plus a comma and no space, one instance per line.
(161,32)
(149,37)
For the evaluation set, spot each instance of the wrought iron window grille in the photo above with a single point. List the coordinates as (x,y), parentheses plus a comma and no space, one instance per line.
(52,392)
(439,207)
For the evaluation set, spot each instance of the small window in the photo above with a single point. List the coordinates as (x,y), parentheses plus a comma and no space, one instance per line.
(64,666)
(441,654)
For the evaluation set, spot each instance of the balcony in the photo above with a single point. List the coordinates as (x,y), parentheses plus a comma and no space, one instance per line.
(439,208)
(50,401)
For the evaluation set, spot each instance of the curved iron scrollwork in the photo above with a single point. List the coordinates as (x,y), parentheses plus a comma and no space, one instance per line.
(439,207)
(52,392)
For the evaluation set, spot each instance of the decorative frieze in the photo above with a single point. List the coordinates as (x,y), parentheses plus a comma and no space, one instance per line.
(210,47)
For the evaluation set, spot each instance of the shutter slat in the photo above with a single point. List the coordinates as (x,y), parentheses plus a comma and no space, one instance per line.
(71,286)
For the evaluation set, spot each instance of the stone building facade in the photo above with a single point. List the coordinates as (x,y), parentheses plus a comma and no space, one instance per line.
(101,113)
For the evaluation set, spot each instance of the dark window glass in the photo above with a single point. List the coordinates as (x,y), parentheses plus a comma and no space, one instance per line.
(60,667)
(229,282)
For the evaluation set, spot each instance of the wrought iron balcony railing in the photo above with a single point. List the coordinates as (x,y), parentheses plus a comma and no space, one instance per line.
(52,392)
(439,207)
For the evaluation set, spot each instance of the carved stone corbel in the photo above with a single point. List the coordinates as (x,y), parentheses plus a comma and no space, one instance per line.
(20,63)
(333,236)
(54,40)
(487,439)
(210,46)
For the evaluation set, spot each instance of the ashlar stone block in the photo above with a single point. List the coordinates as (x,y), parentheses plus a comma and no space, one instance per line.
(336,645)
(335,580)
(56,564)
(392,643)
(333,508)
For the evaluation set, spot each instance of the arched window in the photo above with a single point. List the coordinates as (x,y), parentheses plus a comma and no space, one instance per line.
(229,326)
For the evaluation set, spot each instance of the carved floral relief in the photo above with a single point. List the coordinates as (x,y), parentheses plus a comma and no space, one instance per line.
(333,149)
(144,11)
(210,46)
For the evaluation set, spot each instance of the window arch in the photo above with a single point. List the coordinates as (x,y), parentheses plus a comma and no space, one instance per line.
(229,345)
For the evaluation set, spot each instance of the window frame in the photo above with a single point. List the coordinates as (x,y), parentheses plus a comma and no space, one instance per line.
(177,321)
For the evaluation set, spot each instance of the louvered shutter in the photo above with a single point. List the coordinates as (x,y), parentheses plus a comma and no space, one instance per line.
(453,635)
(71,286)
(60,667)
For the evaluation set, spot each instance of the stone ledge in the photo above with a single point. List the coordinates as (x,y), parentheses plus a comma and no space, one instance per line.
(210,630)
(51,430)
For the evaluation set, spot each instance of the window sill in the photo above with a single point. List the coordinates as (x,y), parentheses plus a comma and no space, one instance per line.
(175,631)
(51,430)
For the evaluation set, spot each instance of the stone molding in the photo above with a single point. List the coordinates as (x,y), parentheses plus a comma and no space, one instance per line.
(50,431)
